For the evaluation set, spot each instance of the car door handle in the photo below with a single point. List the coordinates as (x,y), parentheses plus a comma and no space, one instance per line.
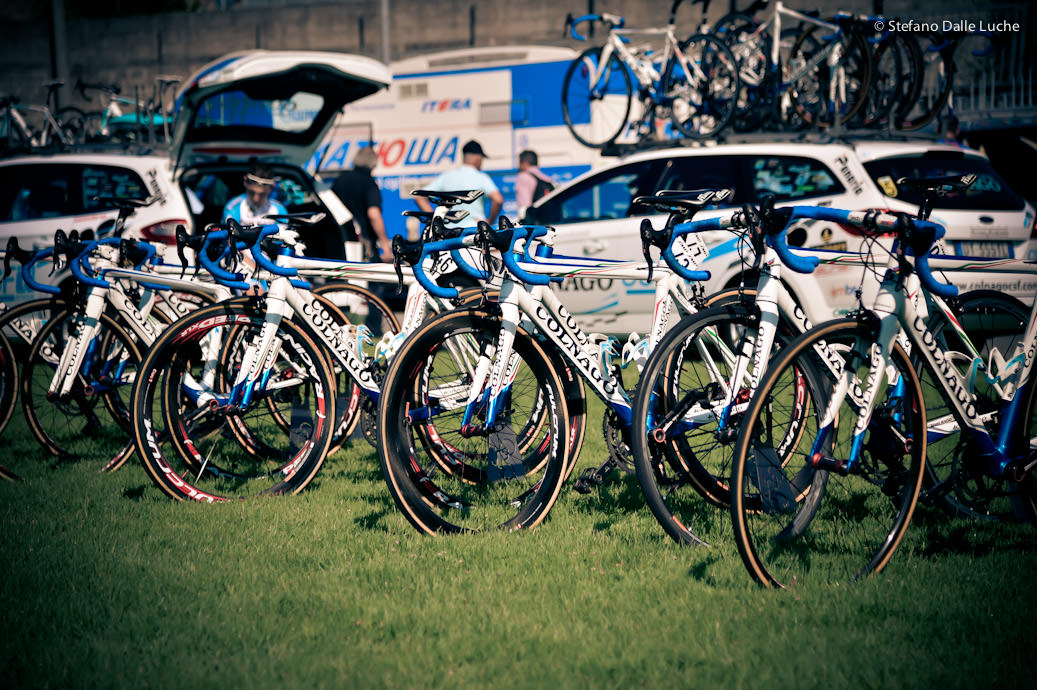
(594,247)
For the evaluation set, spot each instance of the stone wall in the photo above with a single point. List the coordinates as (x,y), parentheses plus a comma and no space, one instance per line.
(132,50)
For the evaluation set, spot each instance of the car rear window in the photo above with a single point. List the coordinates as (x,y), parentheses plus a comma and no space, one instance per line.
(52,190)
(988,193)
(232,109)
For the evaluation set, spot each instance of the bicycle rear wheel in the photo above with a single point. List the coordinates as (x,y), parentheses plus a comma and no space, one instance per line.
(955,479)
(701,85)
(596,112)
(447,473)
(682,387)
(796,518)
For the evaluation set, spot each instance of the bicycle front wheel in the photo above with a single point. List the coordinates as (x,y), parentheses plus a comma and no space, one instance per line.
(822,94)
(701,85)
(596,98)
(93,417)
(805,512)
(446,470)
(195,444)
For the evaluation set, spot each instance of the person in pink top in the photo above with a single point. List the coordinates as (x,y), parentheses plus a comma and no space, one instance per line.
(530,183)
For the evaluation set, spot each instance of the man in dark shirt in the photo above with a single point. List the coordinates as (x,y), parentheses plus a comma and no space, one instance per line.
(361,195)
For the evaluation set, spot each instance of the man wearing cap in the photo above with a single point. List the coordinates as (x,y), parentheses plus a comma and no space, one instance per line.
(468,176)
(251,207)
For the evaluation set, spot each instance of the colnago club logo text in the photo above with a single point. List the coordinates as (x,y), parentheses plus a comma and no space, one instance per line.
(948,374)
(575,349)
(323,322)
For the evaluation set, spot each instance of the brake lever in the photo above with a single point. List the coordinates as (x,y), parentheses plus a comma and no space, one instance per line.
(181,243)
(60,247)
(397,259)
(12,248)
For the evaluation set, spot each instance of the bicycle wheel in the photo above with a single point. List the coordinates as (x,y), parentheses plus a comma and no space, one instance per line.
(1028,486)
(937,79)
(596,112)
(685,380)
(192,441)
(812,81)
(796,518)
(888,74)
(73,122)
(701,85)
(448,475)
(20,325)
(955,479)
(93,417)
(8,381)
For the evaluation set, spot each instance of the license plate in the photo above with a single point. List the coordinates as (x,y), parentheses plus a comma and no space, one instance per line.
(989,250)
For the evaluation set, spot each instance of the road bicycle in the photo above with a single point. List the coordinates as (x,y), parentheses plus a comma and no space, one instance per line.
(823,80)
(280,360)
(845,491)
(692,394)
(477,409)
(694,82)
(16,132)
(123,119)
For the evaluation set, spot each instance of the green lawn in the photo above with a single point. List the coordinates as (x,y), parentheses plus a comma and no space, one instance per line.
(106,583)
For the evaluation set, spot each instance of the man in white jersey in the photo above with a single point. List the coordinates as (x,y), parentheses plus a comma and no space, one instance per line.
(465,177)
(251,207)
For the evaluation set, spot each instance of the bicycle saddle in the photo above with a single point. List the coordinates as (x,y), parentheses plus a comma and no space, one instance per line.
(426,216)
(125,203)
(685,202)
(303,218)
(939,185)
(449,198)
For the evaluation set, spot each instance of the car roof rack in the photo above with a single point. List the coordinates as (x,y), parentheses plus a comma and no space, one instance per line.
(621,150)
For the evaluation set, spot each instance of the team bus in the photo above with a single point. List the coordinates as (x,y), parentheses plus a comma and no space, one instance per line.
(507,98)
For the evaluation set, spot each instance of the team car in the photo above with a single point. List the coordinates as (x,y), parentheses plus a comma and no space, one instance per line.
(273,106)
(595,216)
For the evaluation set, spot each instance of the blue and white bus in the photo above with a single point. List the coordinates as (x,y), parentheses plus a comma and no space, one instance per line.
(507,98)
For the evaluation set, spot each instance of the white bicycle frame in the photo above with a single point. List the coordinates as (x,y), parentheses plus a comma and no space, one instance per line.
(898,314)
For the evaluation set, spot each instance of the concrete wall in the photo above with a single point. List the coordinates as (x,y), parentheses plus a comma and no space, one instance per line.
(131,50)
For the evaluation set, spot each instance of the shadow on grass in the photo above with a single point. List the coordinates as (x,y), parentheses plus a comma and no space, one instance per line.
(135,493)
(619,494)
(944,536)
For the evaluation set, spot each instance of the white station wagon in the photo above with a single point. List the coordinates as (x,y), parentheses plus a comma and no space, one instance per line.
(275,106)
(594,214)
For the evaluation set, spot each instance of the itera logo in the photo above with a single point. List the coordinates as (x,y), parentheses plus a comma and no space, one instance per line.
(447,104)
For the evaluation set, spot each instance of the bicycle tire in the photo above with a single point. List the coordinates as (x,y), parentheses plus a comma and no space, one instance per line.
(70,427)
(20,325)
(888,75)
(955,481)
(689,470)
(8,381)
(194,454)
(595,120)
(460,486)
(1028,486)
(73,122)
(808,94)
(936,81)
(795,523)
(702,103)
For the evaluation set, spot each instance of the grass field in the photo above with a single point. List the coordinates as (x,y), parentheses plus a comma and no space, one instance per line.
(106,583)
